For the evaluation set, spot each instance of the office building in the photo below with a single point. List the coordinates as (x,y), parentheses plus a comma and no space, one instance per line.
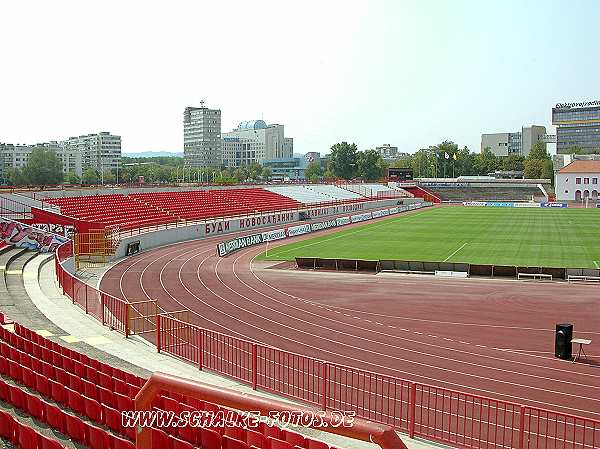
(202,145)
(577,126)
(387,151)
(255,141)
(517,143)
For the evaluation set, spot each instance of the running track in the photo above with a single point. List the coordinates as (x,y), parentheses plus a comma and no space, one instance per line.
(488,337)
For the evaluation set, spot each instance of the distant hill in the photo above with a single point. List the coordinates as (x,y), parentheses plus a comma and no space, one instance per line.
(154,154)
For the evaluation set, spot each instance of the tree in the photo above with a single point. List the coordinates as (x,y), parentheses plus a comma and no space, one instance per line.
(266,173)
(369,165)
(342,161)
(89,176)
(538,164)
(241,174)
(254,170)
(15,177)
(72,178)
(108,177)
(43,168)
(313,171)
(485,162)
(514,162)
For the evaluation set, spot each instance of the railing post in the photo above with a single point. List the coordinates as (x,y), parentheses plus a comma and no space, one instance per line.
(201,349)
(102,304)
(521,427)
(157,333)
(126,320)
(86,298)
(412,399)
(254,365)
(324,383)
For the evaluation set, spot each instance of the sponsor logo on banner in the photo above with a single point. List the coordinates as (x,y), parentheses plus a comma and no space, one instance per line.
(323,225)
(230,246)
(562,205)
(25,236)
(393,210)
(277,234)
(342,221)
(474,203)
(298,230)
(499,204)
(360,217)
(527,205)
(380,213)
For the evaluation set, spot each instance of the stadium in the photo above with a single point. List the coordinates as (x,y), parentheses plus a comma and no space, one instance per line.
(430,313)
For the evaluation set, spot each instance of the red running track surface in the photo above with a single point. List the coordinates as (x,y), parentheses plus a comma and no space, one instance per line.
(488,337)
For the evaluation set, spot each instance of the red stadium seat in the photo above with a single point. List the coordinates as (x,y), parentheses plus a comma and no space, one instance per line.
(75,383)
(75,401)
(90,389)
(48,443)
(160,439)
(278,444)
(256,439)
(97,438)
(124,403)
(35,407)
(232,443)
(120,443)
(75,428)
(314,444)
(176,443)
(58,392)
(42,385)
(4,393)
(93,409)
(210,439)
(27,437)
(7,426)
(293,438)
(17,397)
(55,417)
(106,397)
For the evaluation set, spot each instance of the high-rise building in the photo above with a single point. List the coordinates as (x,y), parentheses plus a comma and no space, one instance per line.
(577,126)
(517,143)
(255,141)
(202,145)
(387,151)
(101,151)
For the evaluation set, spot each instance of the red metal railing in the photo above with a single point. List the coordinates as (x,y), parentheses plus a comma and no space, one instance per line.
(434,413)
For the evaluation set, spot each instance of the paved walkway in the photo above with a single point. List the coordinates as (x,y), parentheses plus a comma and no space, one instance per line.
(41,286)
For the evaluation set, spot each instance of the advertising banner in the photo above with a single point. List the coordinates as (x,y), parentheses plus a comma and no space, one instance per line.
(474,203)
(277,234)
(293,231)
(230,246)
(393,210)
(560,205)
(380,213)
(360,217)
(341,221)
(323,225)
(527,205)
(25,236)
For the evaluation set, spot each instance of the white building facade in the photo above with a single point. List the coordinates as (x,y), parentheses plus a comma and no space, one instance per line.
(255,141)
(518,143)
(578,181)
(101,151)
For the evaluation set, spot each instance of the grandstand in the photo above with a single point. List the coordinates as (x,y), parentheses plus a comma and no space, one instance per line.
(312,194)
(81,399)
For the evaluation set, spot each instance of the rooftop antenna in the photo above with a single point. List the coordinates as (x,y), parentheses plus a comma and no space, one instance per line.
(201,103)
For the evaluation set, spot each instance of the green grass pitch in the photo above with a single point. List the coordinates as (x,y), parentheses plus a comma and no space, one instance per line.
(501,236)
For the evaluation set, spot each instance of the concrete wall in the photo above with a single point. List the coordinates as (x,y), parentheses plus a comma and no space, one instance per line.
(497,142)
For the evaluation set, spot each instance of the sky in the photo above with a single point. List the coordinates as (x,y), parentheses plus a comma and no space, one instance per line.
(407,73)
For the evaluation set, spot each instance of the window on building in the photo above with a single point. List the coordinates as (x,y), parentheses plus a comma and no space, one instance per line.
(594,180)
(586,180)
(577,180)
(566,191)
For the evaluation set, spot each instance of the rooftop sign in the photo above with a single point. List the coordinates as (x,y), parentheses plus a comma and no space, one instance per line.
(583,104)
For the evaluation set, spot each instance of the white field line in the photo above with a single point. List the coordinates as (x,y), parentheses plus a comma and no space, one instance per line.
(596,263)
(463,245)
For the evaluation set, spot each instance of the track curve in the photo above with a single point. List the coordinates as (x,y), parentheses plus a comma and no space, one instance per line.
(487,337)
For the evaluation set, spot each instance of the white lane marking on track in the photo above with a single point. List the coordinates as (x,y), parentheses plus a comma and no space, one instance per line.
(596,263)
(463,245)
